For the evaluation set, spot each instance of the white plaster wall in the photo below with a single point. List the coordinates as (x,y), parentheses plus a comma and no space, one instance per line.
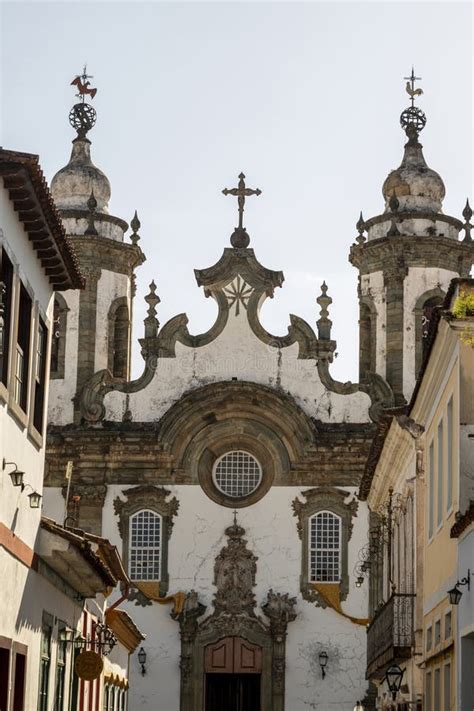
(414,226)
(77,226)
(25,595)
(238,354)
(109,287)
(15,445)
(197,538)
(62,391)
(21,252)
(372,285)
(418,281)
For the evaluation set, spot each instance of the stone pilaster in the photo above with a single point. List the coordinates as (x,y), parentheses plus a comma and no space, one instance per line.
(394,276)
(87,328)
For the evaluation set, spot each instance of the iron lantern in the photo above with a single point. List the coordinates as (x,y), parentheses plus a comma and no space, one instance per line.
(142,660)
(35,499)
(394,676)
(323,660)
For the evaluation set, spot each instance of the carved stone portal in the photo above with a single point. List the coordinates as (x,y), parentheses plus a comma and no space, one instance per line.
(234,617)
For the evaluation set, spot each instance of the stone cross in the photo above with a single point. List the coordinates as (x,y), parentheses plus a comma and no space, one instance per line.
(241,192)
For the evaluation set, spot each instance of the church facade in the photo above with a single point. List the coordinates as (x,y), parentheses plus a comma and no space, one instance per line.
(228,473)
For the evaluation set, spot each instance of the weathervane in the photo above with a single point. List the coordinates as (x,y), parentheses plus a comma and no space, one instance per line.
(412,119)
(239,237)
(82,116)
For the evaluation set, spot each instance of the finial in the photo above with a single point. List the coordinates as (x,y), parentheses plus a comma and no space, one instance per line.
(412,119)
(360,227)
(82,116)
(92,207)
(393,204)
(240,237)
(151,322)
(135,224)
(467,226)
(324,323)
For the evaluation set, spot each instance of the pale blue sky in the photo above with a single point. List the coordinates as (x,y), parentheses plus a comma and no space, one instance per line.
(304,98)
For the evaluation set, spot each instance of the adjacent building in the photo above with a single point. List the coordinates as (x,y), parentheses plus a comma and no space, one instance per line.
(55,582)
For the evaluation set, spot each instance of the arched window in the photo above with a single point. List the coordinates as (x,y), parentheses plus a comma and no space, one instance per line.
(145,536)
(324,565)
(119,337)
(424,310)
(58,341)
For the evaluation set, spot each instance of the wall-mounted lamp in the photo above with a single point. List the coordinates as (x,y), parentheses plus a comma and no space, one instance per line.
(142,660)
(455,594)
(358,707)
(359,581)
(16,475)
(323,660)
(393,677)
(35,499)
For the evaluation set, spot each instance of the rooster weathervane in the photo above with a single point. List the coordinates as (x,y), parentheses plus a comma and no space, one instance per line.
(412,119)
(82,116)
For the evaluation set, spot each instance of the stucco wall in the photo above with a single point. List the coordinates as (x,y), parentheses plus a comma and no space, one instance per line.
(237,353)
(418,281)
(197,538)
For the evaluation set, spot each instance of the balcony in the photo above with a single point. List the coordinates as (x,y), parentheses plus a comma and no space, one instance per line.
(390,636)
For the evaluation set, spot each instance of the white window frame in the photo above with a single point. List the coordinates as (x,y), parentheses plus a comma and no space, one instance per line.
(449,454)
(219,461)
(440,474)
(430,492)
(132,547)
(314,549)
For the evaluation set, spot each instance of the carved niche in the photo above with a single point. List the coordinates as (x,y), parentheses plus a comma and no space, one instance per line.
(324,498)
(154,498)
(234,616)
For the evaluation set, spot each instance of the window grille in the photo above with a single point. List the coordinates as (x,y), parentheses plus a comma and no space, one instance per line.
(145,546)
(325,548)
(237,474)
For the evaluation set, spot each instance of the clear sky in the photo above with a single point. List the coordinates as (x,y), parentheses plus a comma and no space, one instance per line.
(304,98)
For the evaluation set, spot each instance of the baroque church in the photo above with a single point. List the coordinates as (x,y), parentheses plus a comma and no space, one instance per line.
(228,473)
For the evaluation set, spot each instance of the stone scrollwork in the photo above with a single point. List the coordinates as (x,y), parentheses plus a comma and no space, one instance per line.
(234,616)
(234,575)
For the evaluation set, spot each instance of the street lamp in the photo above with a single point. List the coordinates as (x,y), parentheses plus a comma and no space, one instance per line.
(455,594)
(358,707)
(142,660)
(359,581)
(323,660)
(16,475)
(35,499)
(394,676)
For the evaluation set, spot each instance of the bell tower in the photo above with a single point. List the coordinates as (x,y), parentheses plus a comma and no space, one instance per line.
(92,327)
(406,258)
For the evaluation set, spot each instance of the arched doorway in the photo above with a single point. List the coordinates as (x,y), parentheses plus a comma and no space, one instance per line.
(233,668)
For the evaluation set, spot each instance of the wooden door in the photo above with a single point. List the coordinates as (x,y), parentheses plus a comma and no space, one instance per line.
(233,655)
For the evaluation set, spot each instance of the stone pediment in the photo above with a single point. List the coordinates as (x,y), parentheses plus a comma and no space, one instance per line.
(234,263)
(236,347)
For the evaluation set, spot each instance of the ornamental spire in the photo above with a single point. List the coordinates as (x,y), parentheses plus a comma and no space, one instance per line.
(151,322)
(324,323)
(82,116)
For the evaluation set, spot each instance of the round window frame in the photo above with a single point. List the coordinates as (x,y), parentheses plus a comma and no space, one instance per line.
(216,464)
(220,441)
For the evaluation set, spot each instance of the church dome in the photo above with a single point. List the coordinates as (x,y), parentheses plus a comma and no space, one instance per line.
(72,186)
(417,187)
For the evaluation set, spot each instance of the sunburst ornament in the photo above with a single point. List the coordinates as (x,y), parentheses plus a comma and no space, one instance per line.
(238,292)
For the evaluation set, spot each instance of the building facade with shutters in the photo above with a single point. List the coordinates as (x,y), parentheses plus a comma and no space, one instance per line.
(228,473)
